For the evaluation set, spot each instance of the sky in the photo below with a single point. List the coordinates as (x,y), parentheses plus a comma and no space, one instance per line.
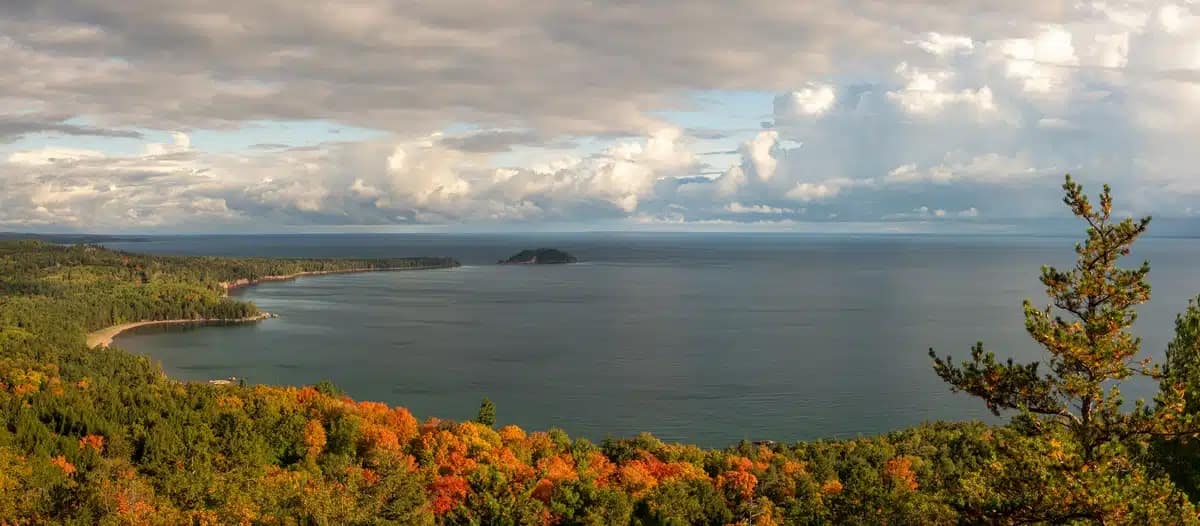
(196,116)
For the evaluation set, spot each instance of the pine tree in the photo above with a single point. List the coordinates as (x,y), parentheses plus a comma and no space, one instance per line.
(1182,375)
(1076,406)
(1085,332)
(487,413)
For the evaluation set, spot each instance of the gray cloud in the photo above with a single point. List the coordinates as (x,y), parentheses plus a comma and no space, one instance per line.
(708,133)
(491,141)
(13,127)
(554,67)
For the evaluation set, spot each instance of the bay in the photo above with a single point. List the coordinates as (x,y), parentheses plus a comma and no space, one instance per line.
(703,338)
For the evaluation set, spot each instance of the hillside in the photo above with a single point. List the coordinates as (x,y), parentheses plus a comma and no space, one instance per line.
(102,436)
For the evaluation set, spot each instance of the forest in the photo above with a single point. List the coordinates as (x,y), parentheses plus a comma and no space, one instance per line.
(102,436)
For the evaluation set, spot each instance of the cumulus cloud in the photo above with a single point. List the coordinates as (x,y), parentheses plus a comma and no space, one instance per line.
(371,182)
(759,151)
(1042,62)
(806,192)
(522,112)
(813,100)
(926,94)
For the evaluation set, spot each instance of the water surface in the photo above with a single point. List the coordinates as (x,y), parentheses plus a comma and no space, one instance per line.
(701,338)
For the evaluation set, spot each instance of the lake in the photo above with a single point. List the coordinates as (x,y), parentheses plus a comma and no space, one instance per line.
(703,338)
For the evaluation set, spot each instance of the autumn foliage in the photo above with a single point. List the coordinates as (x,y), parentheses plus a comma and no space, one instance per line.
(100,436)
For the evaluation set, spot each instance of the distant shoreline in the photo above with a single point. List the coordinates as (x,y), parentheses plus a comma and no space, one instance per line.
(104,337)
(246,282)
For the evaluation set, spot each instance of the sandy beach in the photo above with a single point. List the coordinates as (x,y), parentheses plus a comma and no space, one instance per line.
(104,337)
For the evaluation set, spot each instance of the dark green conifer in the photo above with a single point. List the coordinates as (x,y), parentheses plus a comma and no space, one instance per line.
(487,413)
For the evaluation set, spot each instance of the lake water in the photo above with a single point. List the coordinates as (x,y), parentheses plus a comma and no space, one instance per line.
(704,338)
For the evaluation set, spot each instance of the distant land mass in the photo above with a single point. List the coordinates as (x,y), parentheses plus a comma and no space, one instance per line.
(70,239)
(541,256)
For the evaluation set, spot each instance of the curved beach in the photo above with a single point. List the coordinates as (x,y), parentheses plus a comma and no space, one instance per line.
(104,337)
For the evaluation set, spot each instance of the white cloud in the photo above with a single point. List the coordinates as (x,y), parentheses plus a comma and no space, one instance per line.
(942,45)
(180,143)
(1172,18)
(1056,123)
(759,151)
(826,189)
(738,208)
(813,100)
(926,213)
(925,93)
(991,168)
(1042,62)
(1110,51)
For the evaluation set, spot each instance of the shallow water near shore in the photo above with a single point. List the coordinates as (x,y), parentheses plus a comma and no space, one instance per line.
(704,338)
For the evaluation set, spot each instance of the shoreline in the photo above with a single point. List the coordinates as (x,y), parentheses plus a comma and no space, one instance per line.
(247,282)
(104,337)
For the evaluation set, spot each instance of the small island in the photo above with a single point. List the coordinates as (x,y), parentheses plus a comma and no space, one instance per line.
(541,256)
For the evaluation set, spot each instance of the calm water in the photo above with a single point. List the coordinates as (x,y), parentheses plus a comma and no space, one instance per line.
(702,338)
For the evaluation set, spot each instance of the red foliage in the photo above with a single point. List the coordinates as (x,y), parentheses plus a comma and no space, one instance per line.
(793,468)
(448,491)
(378,437)
(306,395)
(668,470)
(511,433)
(503,459)
(66,467)
(543,490)
(372,411)
(600,468)
(450,454)
(314,438)
(558,468)
(96,442)
(739,484)
(370,476)
(402,423)
(739,463)
(635,478)
(831,487)
(900,470)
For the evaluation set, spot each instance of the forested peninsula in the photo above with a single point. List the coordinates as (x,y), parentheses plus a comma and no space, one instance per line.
(96,435)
